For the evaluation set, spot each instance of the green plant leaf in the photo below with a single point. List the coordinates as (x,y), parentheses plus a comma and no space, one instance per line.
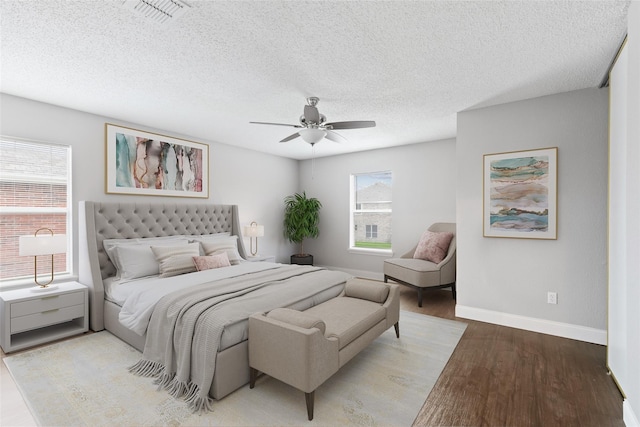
(301,218)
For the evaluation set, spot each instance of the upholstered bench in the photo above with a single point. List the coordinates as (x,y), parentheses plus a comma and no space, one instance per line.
(305,348)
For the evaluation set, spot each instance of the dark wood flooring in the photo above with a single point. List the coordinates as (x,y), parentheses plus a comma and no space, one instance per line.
(499,376)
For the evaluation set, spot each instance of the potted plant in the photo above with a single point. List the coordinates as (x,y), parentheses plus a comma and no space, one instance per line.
(301,218)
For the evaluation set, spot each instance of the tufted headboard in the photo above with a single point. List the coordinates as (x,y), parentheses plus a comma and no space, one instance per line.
(100,221)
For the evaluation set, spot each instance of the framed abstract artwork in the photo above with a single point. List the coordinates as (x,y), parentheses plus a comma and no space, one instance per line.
(520,194)
(144,163)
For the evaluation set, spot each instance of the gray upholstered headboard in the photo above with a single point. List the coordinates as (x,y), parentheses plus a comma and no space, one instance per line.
(100,221)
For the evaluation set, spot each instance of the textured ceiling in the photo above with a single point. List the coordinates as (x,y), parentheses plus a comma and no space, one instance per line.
(410,66)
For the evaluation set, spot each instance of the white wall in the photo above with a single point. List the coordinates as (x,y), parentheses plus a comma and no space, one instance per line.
(424,183)
(506,281)
(256,182)
(632,406)
(624,222)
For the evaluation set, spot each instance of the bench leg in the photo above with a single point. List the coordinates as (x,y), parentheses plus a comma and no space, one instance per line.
(419,297)
(309,398)
(253,374)
(397,327)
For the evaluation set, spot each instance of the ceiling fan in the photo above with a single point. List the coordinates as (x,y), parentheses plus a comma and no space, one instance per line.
(313,125)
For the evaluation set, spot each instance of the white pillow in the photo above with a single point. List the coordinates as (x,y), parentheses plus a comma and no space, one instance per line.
(134,260)
(228,245)
(110,244)
(203,237)
(176,260)
(209,238)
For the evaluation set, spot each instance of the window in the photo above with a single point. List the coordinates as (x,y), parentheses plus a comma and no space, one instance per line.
(35,192)
(371,211)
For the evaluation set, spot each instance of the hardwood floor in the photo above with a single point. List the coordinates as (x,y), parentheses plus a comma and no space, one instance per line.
(497,376)
(500,376)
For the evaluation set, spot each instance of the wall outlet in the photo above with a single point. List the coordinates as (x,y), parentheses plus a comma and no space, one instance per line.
(552,298)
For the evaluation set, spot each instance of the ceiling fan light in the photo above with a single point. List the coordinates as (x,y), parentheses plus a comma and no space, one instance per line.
(312,135)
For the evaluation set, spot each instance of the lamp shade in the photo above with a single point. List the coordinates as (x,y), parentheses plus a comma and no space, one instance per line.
(42,245)
(312,135)
(254,230)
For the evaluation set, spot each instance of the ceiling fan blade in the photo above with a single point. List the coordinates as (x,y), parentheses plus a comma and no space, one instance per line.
(276,124)
(335,137)
(290,137)
(351,125)
(311,114)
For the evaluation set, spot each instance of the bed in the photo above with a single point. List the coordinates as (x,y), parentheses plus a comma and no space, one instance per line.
(108,221)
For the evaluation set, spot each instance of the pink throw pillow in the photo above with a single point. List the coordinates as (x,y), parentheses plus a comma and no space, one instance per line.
(433,246)
(211,261)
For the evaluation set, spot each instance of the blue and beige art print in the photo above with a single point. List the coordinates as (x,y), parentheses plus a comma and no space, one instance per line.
(144,163)
(520,194)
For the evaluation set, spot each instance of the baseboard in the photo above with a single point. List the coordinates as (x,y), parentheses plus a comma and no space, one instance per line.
(549,327)
(628,416)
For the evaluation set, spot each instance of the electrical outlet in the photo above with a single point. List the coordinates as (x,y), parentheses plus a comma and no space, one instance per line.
(552,298)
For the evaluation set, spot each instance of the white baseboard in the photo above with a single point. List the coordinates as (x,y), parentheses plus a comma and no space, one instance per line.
(628,416)
(549,327)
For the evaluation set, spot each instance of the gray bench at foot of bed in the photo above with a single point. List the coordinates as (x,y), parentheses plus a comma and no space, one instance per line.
(305,348)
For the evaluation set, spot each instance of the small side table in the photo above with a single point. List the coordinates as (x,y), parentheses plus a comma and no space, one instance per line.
(30,318)
(262,258)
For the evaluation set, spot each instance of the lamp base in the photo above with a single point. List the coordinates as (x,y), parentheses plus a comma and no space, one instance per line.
(43,289)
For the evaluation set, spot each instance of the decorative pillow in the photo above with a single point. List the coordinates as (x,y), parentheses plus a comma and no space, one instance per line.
(111,248)
(176,260)
(369,290)
(433,246)
(212,261)
(228,245)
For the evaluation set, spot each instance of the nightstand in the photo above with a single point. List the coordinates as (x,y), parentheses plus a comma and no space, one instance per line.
(30,318)
(260,258)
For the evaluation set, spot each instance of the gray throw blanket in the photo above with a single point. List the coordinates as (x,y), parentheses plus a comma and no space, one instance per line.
(186,326)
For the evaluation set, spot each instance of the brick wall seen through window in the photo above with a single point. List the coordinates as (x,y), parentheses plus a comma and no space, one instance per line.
(34,193)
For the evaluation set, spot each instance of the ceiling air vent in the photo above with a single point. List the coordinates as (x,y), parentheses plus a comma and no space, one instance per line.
(161,11)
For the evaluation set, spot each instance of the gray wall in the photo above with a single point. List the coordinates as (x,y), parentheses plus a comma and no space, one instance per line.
(255,181)
(498,276)
(424,187)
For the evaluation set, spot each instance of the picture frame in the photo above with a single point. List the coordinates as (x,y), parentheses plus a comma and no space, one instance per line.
(149,164)
(520,194)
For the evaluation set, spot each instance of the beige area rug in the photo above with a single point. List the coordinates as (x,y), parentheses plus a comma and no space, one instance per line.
(85,382)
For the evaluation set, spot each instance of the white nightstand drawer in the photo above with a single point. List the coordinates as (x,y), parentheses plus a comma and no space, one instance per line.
(46,303)
(46,318)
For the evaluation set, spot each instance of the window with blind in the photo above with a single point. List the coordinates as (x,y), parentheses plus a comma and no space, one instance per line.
(35,192)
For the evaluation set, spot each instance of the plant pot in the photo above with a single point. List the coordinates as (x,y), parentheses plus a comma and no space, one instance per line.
(302,259)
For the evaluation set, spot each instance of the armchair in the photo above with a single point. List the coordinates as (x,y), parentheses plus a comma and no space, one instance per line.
(422,274)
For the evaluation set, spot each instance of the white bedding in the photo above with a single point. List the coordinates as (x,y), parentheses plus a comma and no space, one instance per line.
(139,297)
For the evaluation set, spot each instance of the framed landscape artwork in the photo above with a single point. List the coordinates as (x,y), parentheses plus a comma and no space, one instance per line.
(144,163)
(520,194)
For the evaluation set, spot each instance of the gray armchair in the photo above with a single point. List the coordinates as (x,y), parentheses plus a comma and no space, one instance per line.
(421,274)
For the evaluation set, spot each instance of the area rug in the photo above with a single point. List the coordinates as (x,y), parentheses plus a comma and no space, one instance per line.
(85,382)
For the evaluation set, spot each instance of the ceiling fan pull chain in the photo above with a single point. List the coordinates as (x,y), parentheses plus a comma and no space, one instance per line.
(313,161)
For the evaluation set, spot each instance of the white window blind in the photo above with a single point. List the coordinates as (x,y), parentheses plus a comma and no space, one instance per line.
(35,192)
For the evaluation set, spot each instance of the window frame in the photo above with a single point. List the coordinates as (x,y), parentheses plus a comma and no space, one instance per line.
(353,210)
(22,281)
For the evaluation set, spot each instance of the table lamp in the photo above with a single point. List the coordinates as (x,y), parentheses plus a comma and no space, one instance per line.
(254,231)
(42,245)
